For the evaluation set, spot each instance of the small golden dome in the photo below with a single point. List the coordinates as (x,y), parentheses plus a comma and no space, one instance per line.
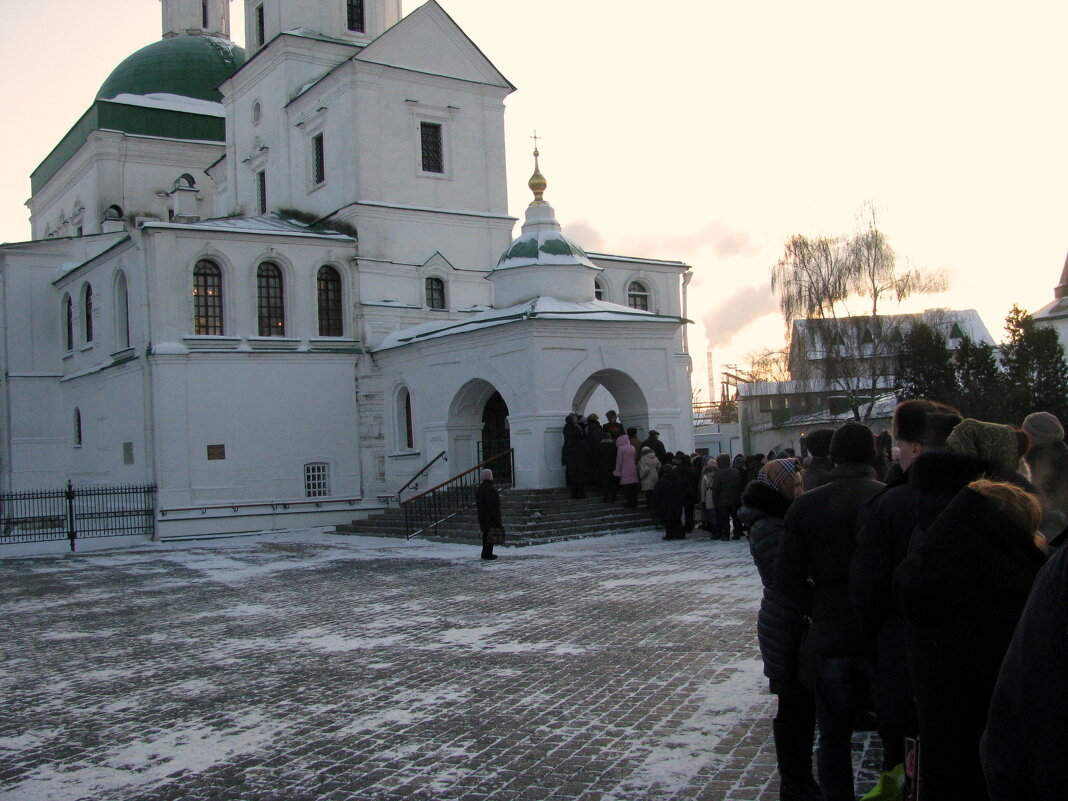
(537,182)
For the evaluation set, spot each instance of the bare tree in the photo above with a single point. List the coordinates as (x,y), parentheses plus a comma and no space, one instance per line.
(831,293)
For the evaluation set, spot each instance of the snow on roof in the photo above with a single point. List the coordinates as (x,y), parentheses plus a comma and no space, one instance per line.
(263,224)
(542,308)
(1052,311)
(189,105)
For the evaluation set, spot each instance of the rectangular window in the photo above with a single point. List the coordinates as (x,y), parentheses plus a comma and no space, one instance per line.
(204,14)
(261,29)
(318,160)
(316,480)
(261,191)
(356,22)
(127,453)
(433,155)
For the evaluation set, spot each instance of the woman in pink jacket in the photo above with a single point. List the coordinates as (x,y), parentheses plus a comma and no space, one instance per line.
(627,471)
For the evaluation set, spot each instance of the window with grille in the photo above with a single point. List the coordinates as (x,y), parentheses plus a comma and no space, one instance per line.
(270,304)
(638,296)
(77,428)
(88,304)
(261,190)
(207,299)
(69,311)
(328,283)
(356,21)
(435,293)
(318,160)
(433,155)
(261,28)
(598,290)
(316,480)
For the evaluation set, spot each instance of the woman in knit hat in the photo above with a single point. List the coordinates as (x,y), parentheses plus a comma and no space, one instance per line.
(780,628)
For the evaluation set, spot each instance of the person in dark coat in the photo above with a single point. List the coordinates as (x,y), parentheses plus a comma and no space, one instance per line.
(690,479)
(653,441)
(780,630)
(727,486)
(1026,737)
(752,467)
(812,572)
(575,457)
(603,456)
(884,528)
(613,426)
(820,466)
(1048,462)
(962,590)
(668,495)
(488,505)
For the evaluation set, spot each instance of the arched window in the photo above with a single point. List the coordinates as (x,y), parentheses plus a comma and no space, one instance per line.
(77,428)
(435,293)
(122,312)
(405,424)
(207,299)
(598,289)
(68,313)
(328,286)
(638,296)
(87,309)
(270,303)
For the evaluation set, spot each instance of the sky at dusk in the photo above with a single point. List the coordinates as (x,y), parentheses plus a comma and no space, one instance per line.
(709,132)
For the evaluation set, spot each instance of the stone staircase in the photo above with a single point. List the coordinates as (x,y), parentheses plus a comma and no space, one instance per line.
(530,517)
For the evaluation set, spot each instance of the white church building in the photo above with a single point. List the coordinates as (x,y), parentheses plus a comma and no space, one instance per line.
(276,283)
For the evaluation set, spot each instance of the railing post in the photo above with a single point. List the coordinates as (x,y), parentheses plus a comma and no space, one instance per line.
(71,533)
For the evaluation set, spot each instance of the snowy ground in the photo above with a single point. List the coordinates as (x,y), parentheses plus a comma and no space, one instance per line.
(304,665)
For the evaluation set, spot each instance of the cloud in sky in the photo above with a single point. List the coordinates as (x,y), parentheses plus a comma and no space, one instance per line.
(736,312)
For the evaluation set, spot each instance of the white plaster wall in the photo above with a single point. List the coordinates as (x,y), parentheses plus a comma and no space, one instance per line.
(272,412)
(124,170)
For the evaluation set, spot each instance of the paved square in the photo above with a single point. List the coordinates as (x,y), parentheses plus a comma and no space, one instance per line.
(304,665)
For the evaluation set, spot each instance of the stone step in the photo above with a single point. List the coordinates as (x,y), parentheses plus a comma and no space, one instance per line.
(529,517)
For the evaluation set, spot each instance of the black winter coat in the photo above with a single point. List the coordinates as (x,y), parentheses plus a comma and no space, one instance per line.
(727,486)
(488,505)
(962,589)
(575,456)
(1026,735)
(668,498)
(689,479)
(817,547)
(780,626)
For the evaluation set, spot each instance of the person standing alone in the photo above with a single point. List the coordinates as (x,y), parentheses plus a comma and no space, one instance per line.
(488,504)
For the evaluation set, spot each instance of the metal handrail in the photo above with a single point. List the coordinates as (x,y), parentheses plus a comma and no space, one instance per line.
(422,470)
(436,505)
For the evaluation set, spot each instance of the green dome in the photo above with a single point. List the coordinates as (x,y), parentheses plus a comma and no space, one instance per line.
(190,66)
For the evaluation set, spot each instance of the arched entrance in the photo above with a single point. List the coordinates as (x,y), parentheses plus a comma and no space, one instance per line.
(631,403)
(478,428)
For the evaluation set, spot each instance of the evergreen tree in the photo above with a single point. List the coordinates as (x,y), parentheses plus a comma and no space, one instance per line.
(1035,369)
(925,366)
(980,382)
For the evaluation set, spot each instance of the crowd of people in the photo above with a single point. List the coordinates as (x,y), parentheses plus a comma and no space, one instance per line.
(896,581)
(913,585)
(609,460)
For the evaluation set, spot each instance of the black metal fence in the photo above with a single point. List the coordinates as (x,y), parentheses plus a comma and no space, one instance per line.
(436,505)
(74,512)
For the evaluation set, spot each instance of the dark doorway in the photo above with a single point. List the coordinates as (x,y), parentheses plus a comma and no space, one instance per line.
(495,438)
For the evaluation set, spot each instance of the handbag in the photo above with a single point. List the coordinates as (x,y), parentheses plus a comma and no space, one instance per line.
(495,536)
